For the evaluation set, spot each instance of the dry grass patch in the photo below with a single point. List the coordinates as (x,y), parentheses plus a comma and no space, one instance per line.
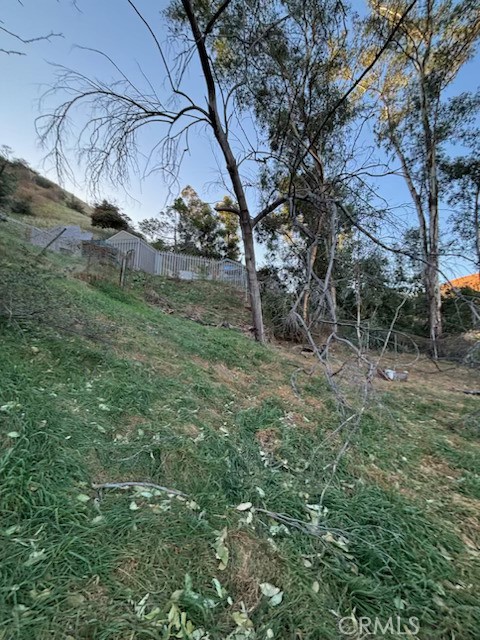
(268,439)
(251,564)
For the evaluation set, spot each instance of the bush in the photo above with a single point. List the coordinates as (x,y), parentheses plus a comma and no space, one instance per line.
(458,312)
(8,184)
(75,204)
(43,182)
(108,216)
(22,207)
(8,181)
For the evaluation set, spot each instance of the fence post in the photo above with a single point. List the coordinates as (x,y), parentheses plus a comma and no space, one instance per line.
(51,242)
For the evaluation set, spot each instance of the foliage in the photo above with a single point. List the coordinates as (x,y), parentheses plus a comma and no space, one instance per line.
(229,232)
(417,116)
(198,226)
(107,215)
(43,182)
(463,188)
(22,206)
(191,226)
(75,204)
(457,312)
(8,181)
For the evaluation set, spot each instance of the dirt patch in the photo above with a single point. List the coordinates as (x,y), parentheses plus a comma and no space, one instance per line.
(431,466)
(469,504)
(97,593)
(189,430)
(388,480)
(268,439)
(231,377)
(125,572)
(251,564)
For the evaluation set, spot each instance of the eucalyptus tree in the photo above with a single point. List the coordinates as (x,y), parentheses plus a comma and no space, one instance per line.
(416,117)
(464,173)
(300,82)
(462,183)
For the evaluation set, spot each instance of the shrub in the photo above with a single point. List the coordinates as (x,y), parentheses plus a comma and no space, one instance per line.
(75,204)
(8,181)
(43,182)
(108,216)
(8,184)
(22,207)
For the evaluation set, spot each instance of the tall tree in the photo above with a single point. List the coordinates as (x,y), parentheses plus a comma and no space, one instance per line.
(199,230)
(416,117)
(230,244)
(463,188)
(296,91)
(116,111)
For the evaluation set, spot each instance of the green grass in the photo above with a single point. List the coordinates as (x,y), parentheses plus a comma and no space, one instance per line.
(100,386)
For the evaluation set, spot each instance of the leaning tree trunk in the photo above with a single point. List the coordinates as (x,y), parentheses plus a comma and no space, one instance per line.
(311,257)
(221,135)
(246,228)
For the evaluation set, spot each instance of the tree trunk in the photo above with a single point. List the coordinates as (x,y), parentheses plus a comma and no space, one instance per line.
(476,222)
(221,134)
(253,286)
(312,256)
(434,302)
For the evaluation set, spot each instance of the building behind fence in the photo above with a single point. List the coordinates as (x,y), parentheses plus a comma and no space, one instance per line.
(141,256)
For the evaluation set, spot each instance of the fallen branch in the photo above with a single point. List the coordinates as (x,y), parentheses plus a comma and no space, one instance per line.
(126,485)
(305,527)
(471,392)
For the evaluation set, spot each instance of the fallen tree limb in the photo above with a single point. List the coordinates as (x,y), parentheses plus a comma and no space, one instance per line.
(126,485)
(305,527)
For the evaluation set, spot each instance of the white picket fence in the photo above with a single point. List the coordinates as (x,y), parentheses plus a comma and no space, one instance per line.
(143,257)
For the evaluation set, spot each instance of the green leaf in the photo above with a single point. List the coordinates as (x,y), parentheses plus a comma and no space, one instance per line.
(243,506)
(269,590)
(276,600)
(221,550)
(242,620)
(82,497)
(316,586)
(76,599)
(221,592)
(34,557)
(13,434)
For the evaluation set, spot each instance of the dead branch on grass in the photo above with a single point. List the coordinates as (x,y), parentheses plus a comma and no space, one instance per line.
(127,485)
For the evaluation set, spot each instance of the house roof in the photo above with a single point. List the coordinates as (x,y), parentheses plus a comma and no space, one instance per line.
(122,232)
(472,281)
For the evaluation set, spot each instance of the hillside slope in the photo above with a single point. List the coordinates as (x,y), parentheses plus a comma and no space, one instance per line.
(99,386)
(47,204)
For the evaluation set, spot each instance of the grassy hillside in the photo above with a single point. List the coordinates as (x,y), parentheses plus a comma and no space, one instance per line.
(47,203)
(102,385)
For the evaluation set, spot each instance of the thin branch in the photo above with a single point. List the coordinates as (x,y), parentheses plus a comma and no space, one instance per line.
(126,485)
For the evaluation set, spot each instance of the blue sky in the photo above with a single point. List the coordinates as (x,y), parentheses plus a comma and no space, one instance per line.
(111,26)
